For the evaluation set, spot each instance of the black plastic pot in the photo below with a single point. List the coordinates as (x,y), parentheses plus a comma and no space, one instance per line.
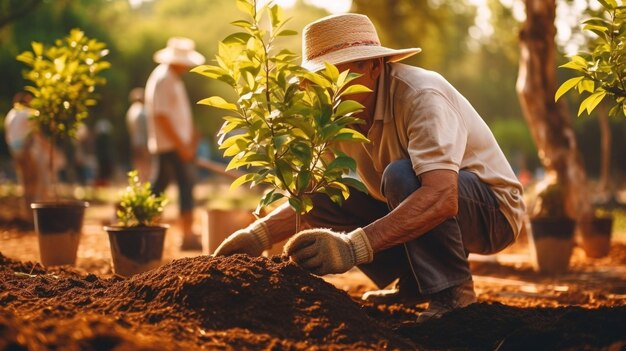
(58,226)
(596,239)
(136,249)
(552,241)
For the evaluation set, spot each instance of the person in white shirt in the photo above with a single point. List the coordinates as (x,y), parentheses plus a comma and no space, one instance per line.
(21,139)
(171,136)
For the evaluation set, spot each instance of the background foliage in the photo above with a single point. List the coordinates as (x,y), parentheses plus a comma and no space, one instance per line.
(483,68)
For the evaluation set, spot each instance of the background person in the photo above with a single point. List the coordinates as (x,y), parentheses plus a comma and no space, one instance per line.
(24,145)
(171,136)
(138,131)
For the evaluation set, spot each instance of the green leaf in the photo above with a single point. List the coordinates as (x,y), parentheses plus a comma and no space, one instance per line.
(296,204)
(237,38)
(246,7)
(598,96)
(345,191)
(348,134)
(354,183)
(355,89)
(348,106)
(302,151)
(218,102)
(592,27)
(342,163)
(284,170)
(586,85)
(307,204)
(242,180)
(213,72)
(286,32)
(275,16)
(271,197)
(317,79)
(303,180)
(37,48)
(575,65)
(331,71)
(566,86)
(608,4)
(241,23)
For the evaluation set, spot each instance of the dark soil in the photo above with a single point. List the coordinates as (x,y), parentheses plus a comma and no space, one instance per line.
(244,303)
(233,302)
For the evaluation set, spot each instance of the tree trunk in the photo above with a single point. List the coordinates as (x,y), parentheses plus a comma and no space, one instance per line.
(549,122)
(605,164)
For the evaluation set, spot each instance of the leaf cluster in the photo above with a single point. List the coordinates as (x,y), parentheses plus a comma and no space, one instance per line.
(138,205)
(286,121)
(64,77)
(601,72)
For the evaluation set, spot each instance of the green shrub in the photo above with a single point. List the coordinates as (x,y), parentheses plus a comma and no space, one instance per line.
(601,72)
(138,205)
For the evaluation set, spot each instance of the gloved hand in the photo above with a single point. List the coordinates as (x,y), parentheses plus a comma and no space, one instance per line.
(322,251)
(251,240)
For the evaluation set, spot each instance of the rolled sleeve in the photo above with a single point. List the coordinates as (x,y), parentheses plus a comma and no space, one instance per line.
(436,132)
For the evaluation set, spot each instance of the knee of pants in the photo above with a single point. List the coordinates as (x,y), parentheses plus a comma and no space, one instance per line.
(398,182)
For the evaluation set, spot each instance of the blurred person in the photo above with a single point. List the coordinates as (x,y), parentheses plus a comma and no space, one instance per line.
(138,131)
(439,186)
(22,140)
(103,132)
(171,136)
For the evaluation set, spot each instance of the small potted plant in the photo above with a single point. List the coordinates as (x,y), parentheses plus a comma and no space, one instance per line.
(137,241)
(552,238)
(64,77)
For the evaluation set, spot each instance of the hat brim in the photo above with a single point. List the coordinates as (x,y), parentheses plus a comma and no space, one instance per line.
(189,59)
(358,53)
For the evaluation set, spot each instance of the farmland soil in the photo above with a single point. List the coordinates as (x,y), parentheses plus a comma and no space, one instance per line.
(196,302)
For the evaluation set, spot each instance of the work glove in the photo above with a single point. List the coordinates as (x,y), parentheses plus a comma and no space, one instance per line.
(251,240)
(322,251)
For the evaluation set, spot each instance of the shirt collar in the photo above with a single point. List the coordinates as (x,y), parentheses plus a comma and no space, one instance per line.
(381,108)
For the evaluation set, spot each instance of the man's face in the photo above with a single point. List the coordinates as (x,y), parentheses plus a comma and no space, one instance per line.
(179,69)
(369,71)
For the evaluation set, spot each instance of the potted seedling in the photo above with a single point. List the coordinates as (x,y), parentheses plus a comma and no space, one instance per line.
(599,73)
(64,77)
(137,241)
(285,123)
(552,238)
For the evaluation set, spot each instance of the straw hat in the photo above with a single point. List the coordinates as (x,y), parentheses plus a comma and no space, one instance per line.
(180,51)
(344,38)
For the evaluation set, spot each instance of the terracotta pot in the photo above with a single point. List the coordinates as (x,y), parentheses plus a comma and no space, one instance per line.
(596,239)
(220,223)
(136,249)
(58,225)
(552,242)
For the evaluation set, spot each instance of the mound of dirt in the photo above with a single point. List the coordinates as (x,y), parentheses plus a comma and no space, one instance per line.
(235,302)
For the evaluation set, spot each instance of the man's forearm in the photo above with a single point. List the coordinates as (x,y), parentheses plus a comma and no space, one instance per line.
(420,212)
(281,223)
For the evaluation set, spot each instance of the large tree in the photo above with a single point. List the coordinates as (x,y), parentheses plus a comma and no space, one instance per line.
(549,121)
